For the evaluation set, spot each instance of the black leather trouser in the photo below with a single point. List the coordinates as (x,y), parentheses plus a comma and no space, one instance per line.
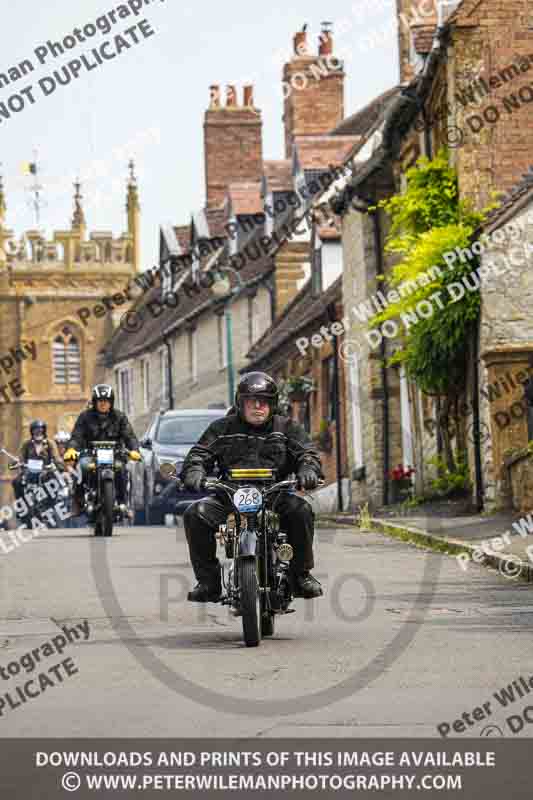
(203,517)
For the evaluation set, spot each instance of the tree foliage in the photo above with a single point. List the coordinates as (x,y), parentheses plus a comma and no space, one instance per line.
(429,220)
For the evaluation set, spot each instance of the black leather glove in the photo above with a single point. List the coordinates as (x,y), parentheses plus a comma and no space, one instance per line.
(307,478)
(194,479)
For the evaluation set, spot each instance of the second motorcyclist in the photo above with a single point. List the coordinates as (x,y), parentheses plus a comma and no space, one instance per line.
(37,447)
(102,422)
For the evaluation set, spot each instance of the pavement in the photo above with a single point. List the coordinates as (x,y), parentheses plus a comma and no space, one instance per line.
(403,641)
(503,540)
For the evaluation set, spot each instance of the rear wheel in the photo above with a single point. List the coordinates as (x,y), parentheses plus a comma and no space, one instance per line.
(250,602)
(108,502)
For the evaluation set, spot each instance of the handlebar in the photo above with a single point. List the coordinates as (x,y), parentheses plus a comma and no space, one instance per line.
(213,483)
(22,464)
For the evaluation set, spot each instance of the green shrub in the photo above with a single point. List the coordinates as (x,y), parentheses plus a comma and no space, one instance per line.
(451,482)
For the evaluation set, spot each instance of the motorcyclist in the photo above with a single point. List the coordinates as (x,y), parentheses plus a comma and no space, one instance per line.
(102,422)
(251,437)
(38,447)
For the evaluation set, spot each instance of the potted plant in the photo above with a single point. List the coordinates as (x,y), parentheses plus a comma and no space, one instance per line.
(298,387)
(401,483)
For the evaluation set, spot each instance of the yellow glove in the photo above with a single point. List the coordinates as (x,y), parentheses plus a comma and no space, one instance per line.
(134,455)
(71,455)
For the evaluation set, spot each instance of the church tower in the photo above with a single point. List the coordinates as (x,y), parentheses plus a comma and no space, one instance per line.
(53,323)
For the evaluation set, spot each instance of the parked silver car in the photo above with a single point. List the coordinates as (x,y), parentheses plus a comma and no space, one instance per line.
(168,439)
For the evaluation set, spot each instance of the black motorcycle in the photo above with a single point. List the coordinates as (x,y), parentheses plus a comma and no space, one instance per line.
(258,584)
(38,499)
(106,460)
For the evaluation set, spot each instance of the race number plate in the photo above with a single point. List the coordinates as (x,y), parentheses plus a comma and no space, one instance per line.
(247,499)
(104,456)
(35,464)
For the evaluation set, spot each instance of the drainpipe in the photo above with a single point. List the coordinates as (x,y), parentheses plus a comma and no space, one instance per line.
(169,373)
(476,423)
(384,377)
(429,153)
(336,389)
(270,285)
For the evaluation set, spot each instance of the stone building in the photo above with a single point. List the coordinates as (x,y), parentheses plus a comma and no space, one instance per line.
(179,358)
(465,71)
(48,351)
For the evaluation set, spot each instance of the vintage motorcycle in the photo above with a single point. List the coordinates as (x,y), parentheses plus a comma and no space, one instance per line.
(105,460)
(37,504)
(258,585)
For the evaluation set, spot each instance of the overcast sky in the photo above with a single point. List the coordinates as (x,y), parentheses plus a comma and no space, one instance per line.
(149,101)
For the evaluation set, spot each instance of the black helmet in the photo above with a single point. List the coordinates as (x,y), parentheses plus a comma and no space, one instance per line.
(257,384)
(103,391)
(38,425)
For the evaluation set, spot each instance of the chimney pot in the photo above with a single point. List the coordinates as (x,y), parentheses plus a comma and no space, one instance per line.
(249,96)
(214,93)
(300,43)
(325,40)
(231,97)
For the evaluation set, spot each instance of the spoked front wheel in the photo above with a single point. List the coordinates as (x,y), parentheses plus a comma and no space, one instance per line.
(107,511)
(250,602)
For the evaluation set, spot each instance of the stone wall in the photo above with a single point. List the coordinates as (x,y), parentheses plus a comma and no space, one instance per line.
(506,342)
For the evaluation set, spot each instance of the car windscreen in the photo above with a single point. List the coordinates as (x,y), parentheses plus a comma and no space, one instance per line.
(182,430)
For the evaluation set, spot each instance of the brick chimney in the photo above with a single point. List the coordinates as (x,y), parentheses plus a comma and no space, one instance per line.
(413,15)
(313,88)
(233,148)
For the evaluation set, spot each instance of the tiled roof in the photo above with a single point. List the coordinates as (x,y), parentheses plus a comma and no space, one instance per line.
(512,202)
(321,152)
(128,344)
(360,122)
(303,311)
(279,175)
(245,198)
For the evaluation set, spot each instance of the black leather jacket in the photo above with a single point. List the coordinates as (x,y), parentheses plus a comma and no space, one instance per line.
(48,453)
(113,427)
(232,442)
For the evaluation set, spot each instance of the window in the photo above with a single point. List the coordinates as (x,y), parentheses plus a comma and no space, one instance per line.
(125,387)
(145,383)
(328,389)
(163,371)
(222,342)
(66,358)
(181,430)
(193,357)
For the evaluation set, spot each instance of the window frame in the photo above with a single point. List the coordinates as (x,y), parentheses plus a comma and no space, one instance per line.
(66,339)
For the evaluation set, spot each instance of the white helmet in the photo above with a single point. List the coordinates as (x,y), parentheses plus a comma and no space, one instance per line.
(62,437)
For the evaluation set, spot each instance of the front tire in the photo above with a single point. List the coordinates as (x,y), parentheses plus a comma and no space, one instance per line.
(250,602)
(108,502)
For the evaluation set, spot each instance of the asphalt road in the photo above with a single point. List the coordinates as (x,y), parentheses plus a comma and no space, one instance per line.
(402,641)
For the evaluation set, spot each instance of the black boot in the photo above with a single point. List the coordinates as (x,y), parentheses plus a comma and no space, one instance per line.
(207,591)
(306,586)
